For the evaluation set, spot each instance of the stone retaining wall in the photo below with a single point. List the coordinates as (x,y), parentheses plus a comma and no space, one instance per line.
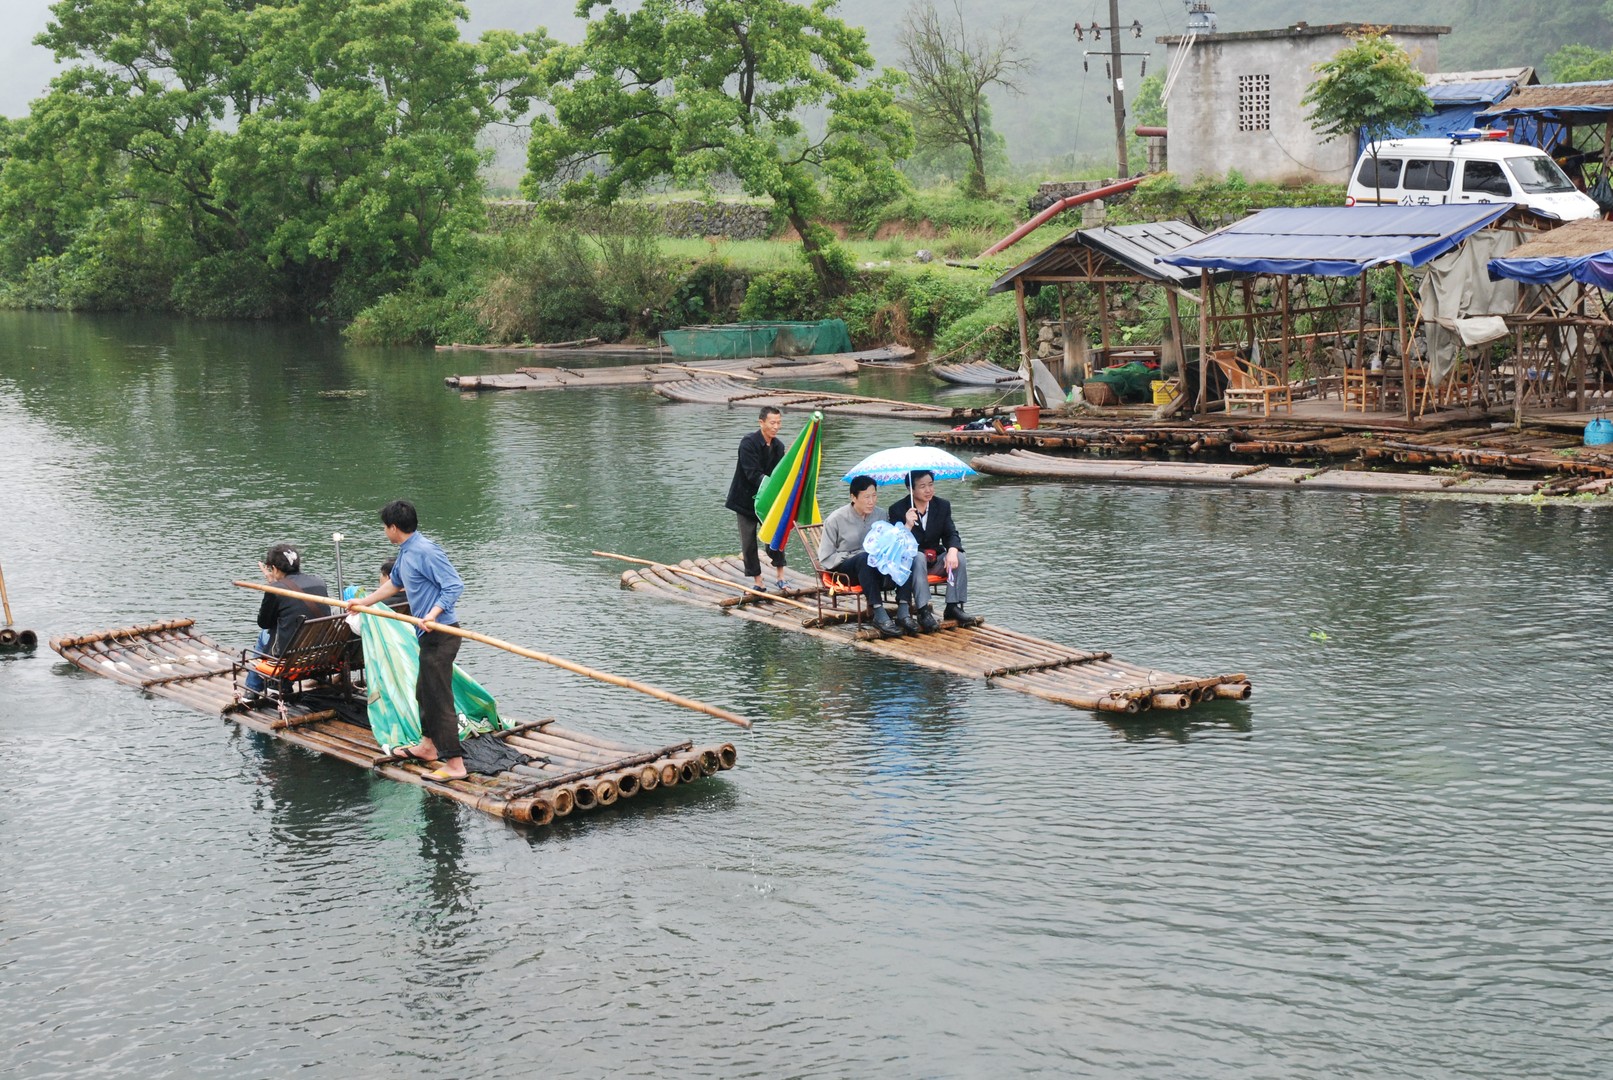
(733,221)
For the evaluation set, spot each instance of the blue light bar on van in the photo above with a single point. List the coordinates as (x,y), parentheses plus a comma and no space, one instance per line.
(1476,134)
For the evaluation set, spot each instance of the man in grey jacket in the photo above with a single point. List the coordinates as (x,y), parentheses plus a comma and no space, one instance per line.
(841,550)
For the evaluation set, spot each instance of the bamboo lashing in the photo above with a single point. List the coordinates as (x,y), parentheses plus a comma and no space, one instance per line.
(518,650)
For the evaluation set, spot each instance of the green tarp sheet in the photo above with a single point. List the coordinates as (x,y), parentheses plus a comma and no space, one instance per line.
(391,666)
(740,340)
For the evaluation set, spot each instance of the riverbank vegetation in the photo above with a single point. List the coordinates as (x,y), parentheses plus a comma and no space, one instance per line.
(320,159)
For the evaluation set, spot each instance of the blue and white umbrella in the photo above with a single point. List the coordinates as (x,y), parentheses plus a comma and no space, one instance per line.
(893,466)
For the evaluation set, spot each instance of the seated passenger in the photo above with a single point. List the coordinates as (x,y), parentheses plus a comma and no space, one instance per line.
(842,550)
(940,551)
(280,617)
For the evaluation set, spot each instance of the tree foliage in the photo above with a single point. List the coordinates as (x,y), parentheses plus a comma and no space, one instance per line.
(695,89)
(1370,87)
(320,148)
(948,69)
(1580,63)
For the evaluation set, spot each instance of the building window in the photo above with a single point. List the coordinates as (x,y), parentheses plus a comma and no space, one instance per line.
(1254,102)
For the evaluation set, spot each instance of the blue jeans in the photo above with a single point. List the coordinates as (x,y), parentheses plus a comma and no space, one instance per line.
(254,681)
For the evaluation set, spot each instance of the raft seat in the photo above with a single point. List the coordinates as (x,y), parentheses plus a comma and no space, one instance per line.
(837,584)
(323,648)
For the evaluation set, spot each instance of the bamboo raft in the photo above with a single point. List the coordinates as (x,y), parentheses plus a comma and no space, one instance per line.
(563,770)
(739,395)
(826,365)
(978,373)
(1028,464)
(1559,461)
(1002,657)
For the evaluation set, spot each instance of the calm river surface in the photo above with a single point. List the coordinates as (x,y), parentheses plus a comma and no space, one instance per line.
(1393,862)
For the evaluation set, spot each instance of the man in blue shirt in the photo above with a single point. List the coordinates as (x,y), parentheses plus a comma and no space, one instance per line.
(433,587)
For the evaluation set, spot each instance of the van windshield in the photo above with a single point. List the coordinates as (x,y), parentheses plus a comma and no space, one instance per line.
(1539,175)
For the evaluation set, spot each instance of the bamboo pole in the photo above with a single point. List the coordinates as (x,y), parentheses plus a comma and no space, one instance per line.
(4,599)
(518,650)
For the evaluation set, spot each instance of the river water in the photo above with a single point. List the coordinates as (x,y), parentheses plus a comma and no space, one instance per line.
(1392,861)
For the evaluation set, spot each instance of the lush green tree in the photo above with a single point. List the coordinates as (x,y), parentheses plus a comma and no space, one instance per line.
(948,70)
(1371,87)
(321,148)
(696,89)
(1580,63)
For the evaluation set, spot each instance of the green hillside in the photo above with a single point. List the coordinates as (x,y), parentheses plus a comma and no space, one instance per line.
(1064,116)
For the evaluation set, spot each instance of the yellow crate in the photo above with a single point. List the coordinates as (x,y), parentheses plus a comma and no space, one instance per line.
(1164,391)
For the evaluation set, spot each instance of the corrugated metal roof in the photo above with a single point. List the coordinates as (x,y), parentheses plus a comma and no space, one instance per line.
(1134,247)
(1489,91)
(1338,240)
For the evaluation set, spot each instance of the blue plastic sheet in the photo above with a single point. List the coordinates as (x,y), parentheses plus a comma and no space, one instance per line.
(891,550)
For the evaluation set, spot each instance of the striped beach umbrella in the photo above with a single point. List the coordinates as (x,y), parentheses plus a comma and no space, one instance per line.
(790,495)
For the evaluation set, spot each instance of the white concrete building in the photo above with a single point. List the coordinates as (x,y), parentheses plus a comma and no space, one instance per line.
(1235,103)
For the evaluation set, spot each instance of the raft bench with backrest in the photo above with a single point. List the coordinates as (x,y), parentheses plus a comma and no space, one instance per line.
(322,649)
(836,584)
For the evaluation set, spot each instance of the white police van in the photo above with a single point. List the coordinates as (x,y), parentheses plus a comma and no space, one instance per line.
(1467,167)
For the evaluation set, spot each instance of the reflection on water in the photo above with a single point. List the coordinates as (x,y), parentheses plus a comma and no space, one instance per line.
(909,873)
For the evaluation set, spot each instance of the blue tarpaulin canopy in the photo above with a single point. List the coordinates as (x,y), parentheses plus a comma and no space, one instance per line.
(1337,241)
(1582,250)
(1591,269)
(1456,107)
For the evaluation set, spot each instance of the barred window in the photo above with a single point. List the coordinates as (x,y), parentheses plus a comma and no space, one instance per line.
(1254,102)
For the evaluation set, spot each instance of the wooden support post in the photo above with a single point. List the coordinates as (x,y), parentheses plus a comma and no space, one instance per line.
(1024,343)
(1206,300)
(1405,339)
(1103,319)
(1172,307)
(1287,329)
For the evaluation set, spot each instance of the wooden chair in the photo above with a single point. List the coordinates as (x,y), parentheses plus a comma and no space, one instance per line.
(322,648)
(835,584)
(1360,389)
(1249,384)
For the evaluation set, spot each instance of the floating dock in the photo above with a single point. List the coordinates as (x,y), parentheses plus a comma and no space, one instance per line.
(664,370)
(1003,657)
(743,395)
(1559,461)
(561,770)
(1028,464)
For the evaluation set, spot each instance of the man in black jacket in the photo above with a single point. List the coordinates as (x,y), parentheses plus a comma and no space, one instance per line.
(940,551)
(759,454)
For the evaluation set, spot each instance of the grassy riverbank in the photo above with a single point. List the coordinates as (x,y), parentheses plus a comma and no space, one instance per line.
(615,277)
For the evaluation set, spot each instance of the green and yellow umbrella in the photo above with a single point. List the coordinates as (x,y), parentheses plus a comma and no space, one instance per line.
(790,495)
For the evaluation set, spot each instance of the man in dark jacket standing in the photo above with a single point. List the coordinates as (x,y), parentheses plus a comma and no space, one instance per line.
(759,454)
(940,551)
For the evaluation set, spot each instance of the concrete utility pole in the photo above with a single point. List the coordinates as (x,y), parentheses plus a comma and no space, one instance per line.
(1117,87)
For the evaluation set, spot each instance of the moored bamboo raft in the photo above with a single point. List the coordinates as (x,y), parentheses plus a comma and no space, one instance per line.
(978,373)
(743,395)
(1003,657)
(562,769)
(1026,464)
(666,369)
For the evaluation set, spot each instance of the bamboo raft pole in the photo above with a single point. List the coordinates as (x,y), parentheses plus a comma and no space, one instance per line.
(561,771)
(519,650)
(1002,657)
